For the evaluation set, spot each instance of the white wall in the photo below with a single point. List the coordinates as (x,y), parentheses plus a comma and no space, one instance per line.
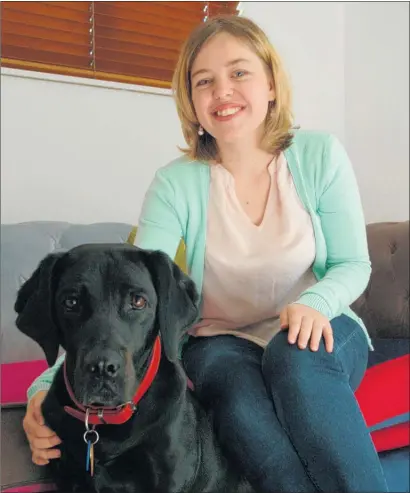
(377,105)
(83,154)
(309,38)
(76,153)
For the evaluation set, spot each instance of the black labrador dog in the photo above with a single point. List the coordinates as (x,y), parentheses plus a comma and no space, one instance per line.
(120,403)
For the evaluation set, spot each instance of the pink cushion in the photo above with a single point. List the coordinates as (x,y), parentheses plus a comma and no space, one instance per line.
(16,378)
(32,488)
(385,390)
(391,438)
(384,399)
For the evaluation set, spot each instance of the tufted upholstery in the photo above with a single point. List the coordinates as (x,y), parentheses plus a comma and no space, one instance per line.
(384,306)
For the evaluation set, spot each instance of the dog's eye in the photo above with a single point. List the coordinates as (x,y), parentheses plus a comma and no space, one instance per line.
(70,303)
(138,302)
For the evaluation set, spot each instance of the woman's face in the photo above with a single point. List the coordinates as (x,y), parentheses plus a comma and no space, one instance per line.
(231,89)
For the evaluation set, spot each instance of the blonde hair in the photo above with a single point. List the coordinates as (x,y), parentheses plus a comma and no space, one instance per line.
(277,135)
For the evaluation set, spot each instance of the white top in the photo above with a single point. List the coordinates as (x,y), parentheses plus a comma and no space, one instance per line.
(252,272)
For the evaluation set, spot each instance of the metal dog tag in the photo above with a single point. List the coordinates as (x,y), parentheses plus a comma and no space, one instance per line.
(90,437)
(87,459)
(89,466)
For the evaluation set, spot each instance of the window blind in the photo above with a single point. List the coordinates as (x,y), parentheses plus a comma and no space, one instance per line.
(135,42)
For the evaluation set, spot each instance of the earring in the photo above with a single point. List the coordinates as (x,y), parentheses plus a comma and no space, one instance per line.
(200,130)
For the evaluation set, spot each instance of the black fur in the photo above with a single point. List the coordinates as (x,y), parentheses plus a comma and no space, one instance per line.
(83,301)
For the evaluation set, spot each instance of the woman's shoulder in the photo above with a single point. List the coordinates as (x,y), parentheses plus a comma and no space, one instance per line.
(317,153)
(182,170)
(182,164)
(313,141)
(181,179)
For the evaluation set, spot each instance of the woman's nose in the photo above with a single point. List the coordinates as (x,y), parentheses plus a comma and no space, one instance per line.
(223,89)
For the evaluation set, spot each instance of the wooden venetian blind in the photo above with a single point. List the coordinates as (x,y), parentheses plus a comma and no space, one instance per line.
(136,42)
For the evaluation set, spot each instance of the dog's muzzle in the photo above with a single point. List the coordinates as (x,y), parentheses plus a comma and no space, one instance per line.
(98,415)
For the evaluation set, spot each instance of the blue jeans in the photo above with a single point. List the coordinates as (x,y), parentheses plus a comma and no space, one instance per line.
(288,417)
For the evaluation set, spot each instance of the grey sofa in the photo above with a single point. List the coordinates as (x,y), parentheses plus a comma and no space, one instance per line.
(384,307)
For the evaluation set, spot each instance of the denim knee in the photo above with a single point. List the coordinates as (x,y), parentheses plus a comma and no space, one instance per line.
(347,361)
(286,362)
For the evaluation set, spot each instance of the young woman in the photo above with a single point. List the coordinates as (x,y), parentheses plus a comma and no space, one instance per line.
(276,244)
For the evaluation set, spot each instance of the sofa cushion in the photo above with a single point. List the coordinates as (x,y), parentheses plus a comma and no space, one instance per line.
(383,397)
(384,306)
(16,379)
(392,437)
(387,349)
(32,487)
(385,391)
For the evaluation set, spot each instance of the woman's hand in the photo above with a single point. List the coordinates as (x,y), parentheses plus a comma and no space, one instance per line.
(40,437)
(306,324)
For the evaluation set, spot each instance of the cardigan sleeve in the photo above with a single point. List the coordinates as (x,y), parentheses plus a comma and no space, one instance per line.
(340,211)
(159,227)
(44,381)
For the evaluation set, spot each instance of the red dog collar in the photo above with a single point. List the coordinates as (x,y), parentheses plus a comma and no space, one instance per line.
(120,414)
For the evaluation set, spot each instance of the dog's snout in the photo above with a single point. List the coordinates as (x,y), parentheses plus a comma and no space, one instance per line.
(106,364)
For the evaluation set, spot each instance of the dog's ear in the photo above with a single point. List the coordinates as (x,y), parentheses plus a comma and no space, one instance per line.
(178,301)
(34,307)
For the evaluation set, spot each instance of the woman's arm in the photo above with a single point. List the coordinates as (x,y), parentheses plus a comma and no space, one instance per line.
(158,226)
(344,230)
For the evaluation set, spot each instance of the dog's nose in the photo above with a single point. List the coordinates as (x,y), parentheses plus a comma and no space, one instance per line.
(106,364)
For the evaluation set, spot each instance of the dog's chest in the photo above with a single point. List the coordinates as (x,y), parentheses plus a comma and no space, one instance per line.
(144,468)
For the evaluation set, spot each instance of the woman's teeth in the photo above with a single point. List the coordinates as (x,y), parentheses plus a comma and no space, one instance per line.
(228,111)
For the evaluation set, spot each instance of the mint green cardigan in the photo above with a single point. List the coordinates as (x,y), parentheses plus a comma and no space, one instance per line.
(176,205)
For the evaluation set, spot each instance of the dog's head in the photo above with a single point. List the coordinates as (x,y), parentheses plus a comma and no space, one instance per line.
(105,304)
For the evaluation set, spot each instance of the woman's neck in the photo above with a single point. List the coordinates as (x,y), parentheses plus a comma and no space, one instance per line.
(244,160)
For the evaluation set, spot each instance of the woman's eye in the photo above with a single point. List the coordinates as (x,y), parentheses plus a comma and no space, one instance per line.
(71,303)
(239,73)
(138,302)
(202,82)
